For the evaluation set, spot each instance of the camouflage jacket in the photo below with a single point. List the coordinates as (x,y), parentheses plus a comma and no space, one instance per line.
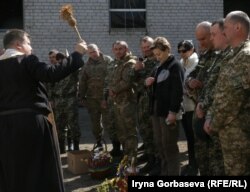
(123,80)
(93,76)
(65,88)
(200,73)
(68,87)
(150,65)
(213,73)
(232,91)
(108,78)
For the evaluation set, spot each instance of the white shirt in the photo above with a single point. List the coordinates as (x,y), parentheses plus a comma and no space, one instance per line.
(189,66)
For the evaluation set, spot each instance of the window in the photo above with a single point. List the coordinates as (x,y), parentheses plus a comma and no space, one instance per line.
(232,5)
(11,14)
(128,13)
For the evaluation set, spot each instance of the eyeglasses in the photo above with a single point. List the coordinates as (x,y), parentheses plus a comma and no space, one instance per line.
(182,51)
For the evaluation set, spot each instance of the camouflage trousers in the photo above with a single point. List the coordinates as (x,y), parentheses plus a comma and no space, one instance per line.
(111,124)
(126,127)
(208,154)
(216,162)
(66,116)
(97,116)
(145,124)
(101,119)
(235,143)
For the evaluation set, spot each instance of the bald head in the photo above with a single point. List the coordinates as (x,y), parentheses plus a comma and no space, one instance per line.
(241,18)
(202,34)
(204,25)
(236,27)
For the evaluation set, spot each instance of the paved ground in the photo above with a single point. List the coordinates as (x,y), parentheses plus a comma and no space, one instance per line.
(84,183)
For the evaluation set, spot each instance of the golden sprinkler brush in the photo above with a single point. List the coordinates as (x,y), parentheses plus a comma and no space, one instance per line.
(66,14)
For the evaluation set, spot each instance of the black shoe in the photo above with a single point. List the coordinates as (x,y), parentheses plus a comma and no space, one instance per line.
(70,145)
(189,170)
(76,145)
(62,146)
(116,151)
(142,159)
(98,147)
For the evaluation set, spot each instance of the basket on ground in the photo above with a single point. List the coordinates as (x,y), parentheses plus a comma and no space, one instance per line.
(99,163)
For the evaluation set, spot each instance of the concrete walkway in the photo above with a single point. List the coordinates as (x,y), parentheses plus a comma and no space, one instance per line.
(84,183)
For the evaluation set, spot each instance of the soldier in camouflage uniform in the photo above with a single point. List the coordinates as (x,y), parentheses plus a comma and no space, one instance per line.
(195,84)
(144,121)
(231,105)
(91,87)
(121,89)
(109,102)
(216,163)
(66,110)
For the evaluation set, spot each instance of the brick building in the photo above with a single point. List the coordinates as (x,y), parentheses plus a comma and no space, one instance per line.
(101,21)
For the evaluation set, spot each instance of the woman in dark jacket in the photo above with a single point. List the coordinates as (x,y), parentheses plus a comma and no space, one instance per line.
(167,85)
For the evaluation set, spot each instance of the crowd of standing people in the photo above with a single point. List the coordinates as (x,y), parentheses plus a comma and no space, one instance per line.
(206,93)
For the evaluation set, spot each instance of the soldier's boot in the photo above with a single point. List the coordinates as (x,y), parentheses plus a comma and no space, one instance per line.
(98,146)
(76,145)
(156,171)
(70,145)
(62,146)
(149,165)
(116,151)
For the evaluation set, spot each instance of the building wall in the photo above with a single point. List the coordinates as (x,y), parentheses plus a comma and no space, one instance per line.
(174,19)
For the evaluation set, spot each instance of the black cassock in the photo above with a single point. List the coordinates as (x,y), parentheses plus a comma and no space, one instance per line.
(29,156)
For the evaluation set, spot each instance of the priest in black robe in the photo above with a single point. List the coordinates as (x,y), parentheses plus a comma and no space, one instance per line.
(29,156)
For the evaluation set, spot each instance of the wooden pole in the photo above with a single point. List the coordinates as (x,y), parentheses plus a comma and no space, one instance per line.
(78,34)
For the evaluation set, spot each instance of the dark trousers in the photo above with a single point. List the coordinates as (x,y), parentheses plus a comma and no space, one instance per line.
(187,124)
(166,138)
(29,158)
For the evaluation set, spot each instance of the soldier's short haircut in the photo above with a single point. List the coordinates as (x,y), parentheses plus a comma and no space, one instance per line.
(93,47)
(220,23)
(123,43)
(147,39)
(240,17)
(13,35)
(161,43)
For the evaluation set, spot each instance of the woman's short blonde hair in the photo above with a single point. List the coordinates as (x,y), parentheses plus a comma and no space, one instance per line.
(161,43)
